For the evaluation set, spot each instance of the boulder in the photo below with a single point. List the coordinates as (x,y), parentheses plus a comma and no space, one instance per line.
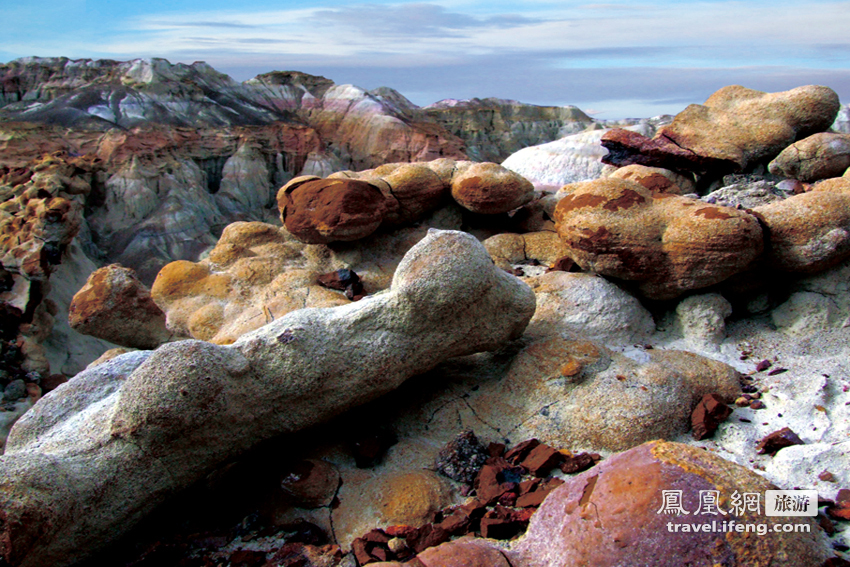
(259,272)
(115,306)
(746,194)
(508,248)
(129,433)
(735,128)
(820,156)
(255,274)
(411,498)
(319,211)
(811,231)
(665,243)
(489,188)
(465,552)
(617,514)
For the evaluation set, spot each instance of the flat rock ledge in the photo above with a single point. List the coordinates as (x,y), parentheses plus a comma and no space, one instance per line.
(103,450)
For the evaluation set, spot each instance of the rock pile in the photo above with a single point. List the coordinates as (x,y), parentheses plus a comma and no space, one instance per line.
(350,206)
(159,419)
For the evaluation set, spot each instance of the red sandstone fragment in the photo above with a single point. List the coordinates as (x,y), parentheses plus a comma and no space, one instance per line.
(778,440)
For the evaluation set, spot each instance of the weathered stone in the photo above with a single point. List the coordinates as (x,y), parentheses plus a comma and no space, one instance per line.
(703,319)
(255,274)
(777,440)
(162,420)
(115,306)
(666,243)
(820,156)
(583,522)
(810,232)
(589,307)
(329,210)
(748,194)
(412,498)
(311,483)
(710,412)
(734,128)
(463,553)
(461,459)
(489,188)
(542,459)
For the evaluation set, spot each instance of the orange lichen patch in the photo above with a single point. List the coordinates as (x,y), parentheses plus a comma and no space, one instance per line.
(571,367)
(412,498)
(713,213)
(182,278)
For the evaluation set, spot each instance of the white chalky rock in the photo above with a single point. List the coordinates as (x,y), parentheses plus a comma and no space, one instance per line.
(703,319)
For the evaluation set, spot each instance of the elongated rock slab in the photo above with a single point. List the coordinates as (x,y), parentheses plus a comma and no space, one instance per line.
(100,452)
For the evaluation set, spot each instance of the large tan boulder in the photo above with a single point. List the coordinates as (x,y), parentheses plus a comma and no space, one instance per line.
(665,243)
(615,514)
(820,156)
(489,188)
(734,128)
(810,232)
(130,433)
(116,306)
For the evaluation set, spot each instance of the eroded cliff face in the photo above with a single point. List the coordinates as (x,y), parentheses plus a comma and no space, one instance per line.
(357,129)
(495,128)
(149,161)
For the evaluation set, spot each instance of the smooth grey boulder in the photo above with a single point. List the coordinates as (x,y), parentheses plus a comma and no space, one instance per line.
(96,455)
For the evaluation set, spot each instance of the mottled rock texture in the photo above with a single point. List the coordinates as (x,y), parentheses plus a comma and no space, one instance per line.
(665,243)
(609,516)
(735,128)
(129,433)
(115,306)
(656,179)
(318,211)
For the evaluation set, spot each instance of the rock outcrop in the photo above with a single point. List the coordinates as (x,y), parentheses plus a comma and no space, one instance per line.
(492,129)
(352,205)
(735,128)
(153,422)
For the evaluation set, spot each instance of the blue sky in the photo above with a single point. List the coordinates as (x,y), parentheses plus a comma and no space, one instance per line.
(612,59)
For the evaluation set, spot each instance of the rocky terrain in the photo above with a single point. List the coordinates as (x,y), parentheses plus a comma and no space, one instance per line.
(333,328)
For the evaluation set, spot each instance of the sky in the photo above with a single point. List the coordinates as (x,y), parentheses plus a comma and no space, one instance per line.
(612,60)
